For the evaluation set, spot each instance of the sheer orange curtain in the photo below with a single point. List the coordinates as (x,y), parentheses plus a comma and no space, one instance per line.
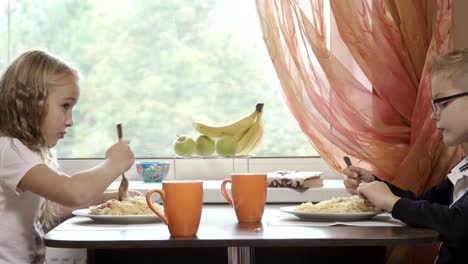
(356,76)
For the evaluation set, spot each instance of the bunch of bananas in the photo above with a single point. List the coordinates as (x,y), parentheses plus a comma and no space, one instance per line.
(247,131)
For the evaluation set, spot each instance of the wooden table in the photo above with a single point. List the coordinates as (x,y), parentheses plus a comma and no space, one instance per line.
(219,229)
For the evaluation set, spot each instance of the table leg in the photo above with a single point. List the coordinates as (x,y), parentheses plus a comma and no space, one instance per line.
(90,256)
(241,255)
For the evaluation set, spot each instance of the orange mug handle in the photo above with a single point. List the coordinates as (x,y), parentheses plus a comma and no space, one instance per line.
(224,192)
(150,203)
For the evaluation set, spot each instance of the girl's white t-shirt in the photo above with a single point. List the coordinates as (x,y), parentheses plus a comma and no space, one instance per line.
(20,212)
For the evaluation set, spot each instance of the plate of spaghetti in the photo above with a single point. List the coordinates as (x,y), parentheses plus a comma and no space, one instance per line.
(133,210)
(336,209)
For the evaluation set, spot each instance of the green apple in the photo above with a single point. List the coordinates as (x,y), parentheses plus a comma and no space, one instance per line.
(184,146)
(205,146)
(226,146)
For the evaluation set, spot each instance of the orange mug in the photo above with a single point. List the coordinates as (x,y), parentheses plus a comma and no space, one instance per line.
(182,202)
(249,191)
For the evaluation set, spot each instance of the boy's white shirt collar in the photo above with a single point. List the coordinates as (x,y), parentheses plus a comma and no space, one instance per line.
(459,180)
(455,174)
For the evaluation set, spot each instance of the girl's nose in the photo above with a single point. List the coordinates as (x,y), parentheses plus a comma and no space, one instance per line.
(69,120)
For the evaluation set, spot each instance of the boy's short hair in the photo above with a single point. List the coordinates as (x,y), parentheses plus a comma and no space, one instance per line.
(453,65)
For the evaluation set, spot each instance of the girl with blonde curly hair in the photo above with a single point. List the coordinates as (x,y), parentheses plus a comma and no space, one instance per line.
(38,92)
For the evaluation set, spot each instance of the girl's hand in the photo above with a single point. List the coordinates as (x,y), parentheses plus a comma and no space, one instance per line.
(378,194)
(120,156)
(354,175)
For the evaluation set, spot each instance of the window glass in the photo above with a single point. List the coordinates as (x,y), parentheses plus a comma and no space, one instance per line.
(3,33)
(155,66)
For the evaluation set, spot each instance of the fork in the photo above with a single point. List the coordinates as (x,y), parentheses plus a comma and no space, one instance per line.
(347,160)
(123,188)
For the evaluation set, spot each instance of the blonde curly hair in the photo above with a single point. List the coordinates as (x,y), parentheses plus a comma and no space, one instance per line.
(24,87)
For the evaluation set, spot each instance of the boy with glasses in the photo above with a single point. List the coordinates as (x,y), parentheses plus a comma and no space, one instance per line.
(443,208)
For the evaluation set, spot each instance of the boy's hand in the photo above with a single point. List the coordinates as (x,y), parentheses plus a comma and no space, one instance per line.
(378,194)
(120,156)
(354,175)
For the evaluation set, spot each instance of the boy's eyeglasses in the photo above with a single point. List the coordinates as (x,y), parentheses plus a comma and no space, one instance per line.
(441,103)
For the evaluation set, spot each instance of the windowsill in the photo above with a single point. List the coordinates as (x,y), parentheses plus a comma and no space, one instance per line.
(212,191)
(215,168)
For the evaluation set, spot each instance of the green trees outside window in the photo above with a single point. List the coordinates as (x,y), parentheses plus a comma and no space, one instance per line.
(155,66)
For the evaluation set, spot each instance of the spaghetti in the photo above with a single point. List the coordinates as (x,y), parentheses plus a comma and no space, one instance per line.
(353,204)
(129,206)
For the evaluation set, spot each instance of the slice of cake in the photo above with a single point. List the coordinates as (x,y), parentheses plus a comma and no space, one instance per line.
(295,179)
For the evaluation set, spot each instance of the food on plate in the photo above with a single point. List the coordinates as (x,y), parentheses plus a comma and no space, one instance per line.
(129,206)
(353,204)
(295,179)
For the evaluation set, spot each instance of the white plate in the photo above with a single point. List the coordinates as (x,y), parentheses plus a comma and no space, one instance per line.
(314,216)
(119,219)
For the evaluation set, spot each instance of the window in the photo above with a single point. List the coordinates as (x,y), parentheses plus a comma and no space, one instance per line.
(155,66)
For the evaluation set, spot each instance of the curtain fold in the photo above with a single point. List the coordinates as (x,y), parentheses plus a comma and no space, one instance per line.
(356,76)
